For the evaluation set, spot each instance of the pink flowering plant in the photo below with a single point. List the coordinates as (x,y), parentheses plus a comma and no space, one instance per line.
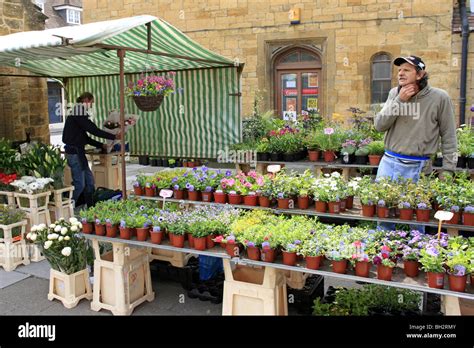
(384,257)
(250,183)
(152,85)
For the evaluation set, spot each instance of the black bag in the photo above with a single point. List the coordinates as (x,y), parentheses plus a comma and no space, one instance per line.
(104,194)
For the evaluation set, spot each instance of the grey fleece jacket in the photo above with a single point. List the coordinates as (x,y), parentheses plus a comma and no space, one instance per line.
(414,127)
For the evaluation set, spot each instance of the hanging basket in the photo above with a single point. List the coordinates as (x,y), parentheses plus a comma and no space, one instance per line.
(150,103)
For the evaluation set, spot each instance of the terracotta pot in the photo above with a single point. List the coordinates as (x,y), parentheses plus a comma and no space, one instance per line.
(457,283)
(472,280)
(133,231)
(411,268)
(349,202)
(406,214)
(142,234)
(374,160)
(253,253)
(283,203)
(267,255)
(313,155)
(206,196)
(313,262)
(423,215)
(289,259)
(455,220)
(435,280)
(99,229)
(339,266)
(220,197)
(149,192)
(156,237)
(362,268)
(138,190)
(170,236)
(200,243)
(329,156)
(382,212)
(87,228)
(209,241)
(111,231)
(178,194)
(384,272)
(435,206)
(321,206)
(468,219)
(334,207)
(194,195)
(251,200)
(342,205)
(303,202)
(235,199)
(125,232)
(177,240)
(368,210)
(190,240)
(263,201)
(232,249)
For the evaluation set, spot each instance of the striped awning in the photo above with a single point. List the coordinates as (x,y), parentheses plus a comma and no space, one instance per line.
(89,49)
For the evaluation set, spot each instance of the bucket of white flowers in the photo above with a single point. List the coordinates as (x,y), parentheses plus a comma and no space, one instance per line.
(32,192)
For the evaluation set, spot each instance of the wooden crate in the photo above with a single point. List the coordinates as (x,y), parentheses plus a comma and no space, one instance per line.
(13,250)
(107,170)
(9,198)
(176,258)
(122,279)
(254,291)
(69,288)
(37,212)
(61,207)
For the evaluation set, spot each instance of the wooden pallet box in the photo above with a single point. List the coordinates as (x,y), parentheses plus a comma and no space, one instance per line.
(7,197)
(60,204)
(13,250)
(69,288)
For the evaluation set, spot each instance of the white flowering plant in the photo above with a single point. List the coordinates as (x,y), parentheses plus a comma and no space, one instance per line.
(32,185)
(61,244)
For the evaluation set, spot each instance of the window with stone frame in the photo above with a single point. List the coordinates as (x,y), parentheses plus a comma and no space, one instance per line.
(381,76)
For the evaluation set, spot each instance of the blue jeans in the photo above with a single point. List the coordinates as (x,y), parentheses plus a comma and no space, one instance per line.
(393,168)
(82,177)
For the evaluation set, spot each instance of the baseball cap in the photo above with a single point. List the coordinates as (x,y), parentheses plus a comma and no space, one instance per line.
(413,60)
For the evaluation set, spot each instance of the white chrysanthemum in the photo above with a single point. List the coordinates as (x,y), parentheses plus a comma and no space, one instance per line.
(34,228)
(57,228)
(66,251)
(33,236)
(47,244)
(34,186)
(28,236)
(52,226)
(61,219)
(60,238)
(63,230)
(73,220)
(53,236)
(67,238)
(74,228)
(41,227)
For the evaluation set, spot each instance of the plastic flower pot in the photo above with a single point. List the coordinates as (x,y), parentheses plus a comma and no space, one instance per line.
(149,192)
(406,214)
(177,240)
(339,266)
(283,203)
(456,218)
(321,206)
(276,157)
(468,219)
(313,155)
(470,163)
(253,253)
(472,280)
(303,202)
(361,159)
(347,159)
(411,268)
(368,210)
(457,283)
(342,205)
(267,255)
(235,198)
(206,196)
(334,207)
(263,201)
(263,156)
(232,249)
(138,190)
(190,240)
(349,202)
(374,160)
(200,243)
(423,215)
(362,268)
(220,197)
(209,241)
(384,272)
(125,232)
(313,262)
(461,162)
(251,200)
(156,237)
(111,230)
(194,195)
(435,280)
(329,156)
(289,259)
(87,228)
(142,234)
(178,194)
(99,229)
(382,212)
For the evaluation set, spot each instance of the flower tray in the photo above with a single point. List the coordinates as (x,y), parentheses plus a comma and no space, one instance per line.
(148,104)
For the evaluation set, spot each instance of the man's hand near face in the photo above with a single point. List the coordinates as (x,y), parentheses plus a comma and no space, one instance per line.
(408,91)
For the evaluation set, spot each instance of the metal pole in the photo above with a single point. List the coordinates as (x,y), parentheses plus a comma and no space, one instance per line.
(121,55)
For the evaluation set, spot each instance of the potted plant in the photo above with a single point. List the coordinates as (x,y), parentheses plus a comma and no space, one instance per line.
(262,150)
(465,140)
(139,184)
(376,150)
(411,252)
(432,260)
(172,163)
(126,225)
(360,259)
(142,224)
(87,220)
(362,152)
(177,230)
(199,230)
(348,151)
(352,189)
(289,253)
(368,196)
(150,90)
(283,189)
(312,250)
(313,147)
(329,140)
(468,215)
(150,188)
(458,262)
(384,263)
(303,186)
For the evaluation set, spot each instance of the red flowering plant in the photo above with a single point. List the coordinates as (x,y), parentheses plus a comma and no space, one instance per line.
(6,180)
(384,257)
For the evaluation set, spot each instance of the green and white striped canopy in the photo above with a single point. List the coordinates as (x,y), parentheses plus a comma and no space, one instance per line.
(196,122)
